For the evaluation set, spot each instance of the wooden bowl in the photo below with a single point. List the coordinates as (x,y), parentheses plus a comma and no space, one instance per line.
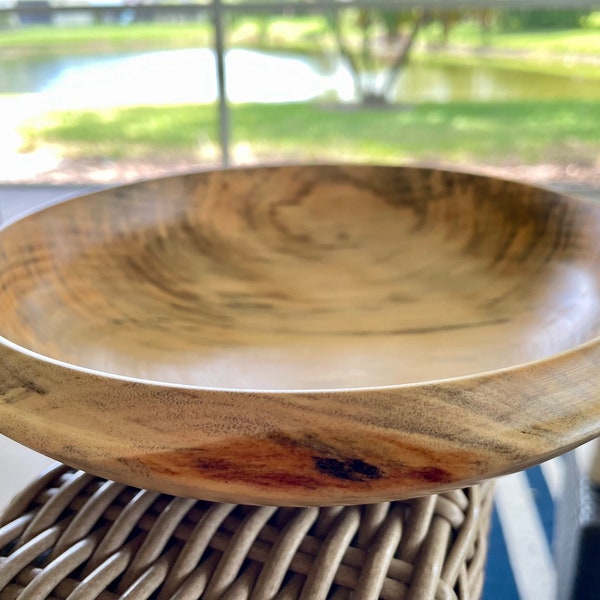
(303,335)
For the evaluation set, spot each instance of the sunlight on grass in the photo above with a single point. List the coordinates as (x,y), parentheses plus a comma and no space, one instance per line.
(480,132)
(45,39)
(580,40)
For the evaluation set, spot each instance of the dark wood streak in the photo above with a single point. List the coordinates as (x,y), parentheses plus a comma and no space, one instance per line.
(353,469)
(428,330)
(11,380)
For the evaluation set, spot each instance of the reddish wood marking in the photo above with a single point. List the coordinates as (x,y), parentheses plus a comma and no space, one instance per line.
(285,464)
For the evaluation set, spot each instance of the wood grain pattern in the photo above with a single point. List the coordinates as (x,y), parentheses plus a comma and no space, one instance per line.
(303,335)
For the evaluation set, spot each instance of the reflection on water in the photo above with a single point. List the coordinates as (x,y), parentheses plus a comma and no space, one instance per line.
(440,83)
(176,76)
(181,76)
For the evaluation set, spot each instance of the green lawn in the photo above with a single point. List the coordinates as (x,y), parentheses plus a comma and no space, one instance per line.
(552,131)
(585,40)
(95,38)
(299,33)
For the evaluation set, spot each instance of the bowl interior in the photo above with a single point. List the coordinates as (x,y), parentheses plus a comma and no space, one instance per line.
(303,277)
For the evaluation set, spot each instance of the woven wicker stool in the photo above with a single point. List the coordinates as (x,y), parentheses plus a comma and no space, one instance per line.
(76,536)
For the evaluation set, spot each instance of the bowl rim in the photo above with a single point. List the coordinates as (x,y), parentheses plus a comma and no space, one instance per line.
(429,383)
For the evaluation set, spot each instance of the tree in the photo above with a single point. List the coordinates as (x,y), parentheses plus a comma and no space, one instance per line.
(447,20)
(372,40)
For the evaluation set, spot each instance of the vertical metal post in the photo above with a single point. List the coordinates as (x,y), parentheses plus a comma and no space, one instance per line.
(221,86)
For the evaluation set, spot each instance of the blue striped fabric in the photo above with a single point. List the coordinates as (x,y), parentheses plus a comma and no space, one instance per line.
(499,580)
(504,580)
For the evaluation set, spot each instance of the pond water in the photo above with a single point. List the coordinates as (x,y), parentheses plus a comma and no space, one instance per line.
(181,76)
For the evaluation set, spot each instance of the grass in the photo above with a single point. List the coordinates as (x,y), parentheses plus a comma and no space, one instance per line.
(584,40)
(81,39)
(303,33)
(300,33)
(501,133)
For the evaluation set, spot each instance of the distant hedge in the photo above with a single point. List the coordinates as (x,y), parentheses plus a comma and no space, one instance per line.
(527,20)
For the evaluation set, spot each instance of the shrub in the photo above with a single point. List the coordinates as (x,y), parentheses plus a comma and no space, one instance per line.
(523,20)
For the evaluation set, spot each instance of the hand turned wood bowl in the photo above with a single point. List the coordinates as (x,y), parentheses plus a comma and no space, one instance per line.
(303,335)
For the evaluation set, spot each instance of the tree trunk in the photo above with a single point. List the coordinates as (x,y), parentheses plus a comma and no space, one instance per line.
(402,57)
(346,53)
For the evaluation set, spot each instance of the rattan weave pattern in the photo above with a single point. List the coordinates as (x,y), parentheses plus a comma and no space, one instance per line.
(73,535)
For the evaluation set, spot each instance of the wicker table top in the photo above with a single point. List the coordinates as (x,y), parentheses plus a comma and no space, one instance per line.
(76,536)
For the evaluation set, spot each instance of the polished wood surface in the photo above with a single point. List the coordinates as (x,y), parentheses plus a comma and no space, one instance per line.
(303,335)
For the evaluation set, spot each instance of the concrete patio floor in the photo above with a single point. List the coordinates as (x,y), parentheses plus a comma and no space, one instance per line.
(18,199)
